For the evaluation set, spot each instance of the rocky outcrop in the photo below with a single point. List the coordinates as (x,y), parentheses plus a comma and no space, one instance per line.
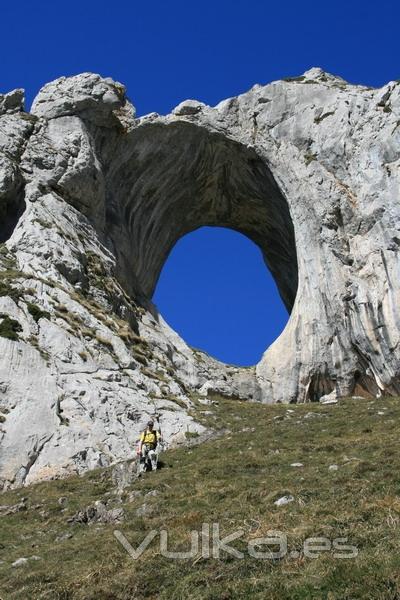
(92,200)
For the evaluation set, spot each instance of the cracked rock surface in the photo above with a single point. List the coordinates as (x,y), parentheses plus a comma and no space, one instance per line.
(92,200)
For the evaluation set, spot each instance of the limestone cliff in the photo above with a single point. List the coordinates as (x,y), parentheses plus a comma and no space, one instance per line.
(92,200)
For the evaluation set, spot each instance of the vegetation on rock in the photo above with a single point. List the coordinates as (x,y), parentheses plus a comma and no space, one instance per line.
(9,328)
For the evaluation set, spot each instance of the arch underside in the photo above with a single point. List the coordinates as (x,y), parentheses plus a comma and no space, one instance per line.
(180,177)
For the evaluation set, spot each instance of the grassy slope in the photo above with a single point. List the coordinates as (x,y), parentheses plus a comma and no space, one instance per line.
(232,480)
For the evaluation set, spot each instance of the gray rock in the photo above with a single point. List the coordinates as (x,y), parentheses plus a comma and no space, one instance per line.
(313,415)
(307,167)
(329,398)
(123,474)
(63,537)
(97,513)
(20,562)
(12,102)
(15,508)
(87,95)
(284,500)
(144,510)
(188,107)
(115,515)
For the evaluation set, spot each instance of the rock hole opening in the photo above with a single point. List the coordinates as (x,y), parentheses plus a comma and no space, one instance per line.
(216,291)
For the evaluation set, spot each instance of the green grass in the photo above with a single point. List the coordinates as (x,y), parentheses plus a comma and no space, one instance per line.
(43,223)
(233,479)
(189,435)
(9,328)
(324,116)
(294,79)
(104,341)
(309,157)
(36,312)
(6,287)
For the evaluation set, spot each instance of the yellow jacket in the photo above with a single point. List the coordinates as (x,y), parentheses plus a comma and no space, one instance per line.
(150,437)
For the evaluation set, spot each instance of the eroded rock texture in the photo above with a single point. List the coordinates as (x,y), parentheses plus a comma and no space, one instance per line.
(92,200)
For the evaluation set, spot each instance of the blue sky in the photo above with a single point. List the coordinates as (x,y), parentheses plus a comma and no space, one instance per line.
(165,52)
(216,291)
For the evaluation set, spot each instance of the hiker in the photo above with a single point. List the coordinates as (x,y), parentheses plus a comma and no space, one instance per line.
(149,441)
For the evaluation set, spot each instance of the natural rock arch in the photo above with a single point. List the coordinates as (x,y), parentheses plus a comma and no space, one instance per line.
(285,162)
(272,164)
(308,168)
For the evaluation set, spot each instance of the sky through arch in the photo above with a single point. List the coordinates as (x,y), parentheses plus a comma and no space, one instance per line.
(217,293)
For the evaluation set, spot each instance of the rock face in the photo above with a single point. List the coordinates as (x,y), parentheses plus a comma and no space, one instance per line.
(92,200)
